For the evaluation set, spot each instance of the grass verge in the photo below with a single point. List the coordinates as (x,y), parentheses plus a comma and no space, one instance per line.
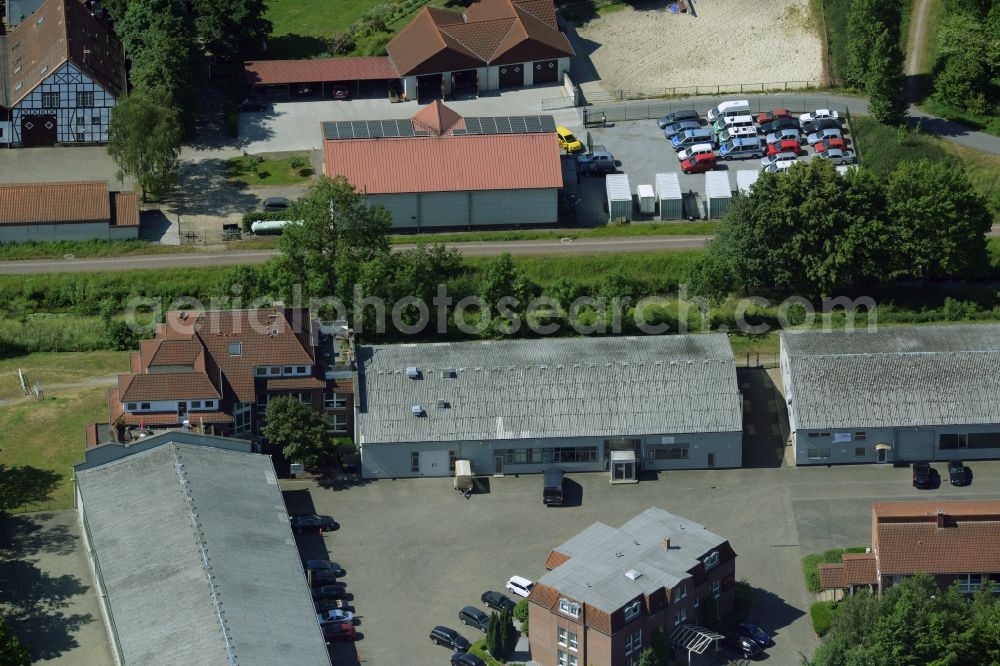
(822,613)
(835,20)
(48,434)
(810,564)
(254,170)
(652,229)
(49,368)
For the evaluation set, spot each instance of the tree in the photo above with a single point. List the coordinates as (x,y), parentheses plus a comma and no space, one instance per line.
(939,221)
(968,53)
(144,140)
(866,20)
(503,284)
(886,97)
(12,653)
(337,233)
(299,431)
(233,30)
(493,635)
(118,336)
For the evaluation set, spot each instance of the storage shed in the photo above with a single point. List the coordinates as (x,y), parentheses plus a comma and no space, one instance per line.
(668,193)
(744,179)
(619,197)
(718,193)
(647,199)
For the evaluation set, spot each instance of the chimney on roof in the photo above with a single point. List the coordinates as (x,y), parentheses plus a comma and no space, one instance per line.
(940,517)
(666,541)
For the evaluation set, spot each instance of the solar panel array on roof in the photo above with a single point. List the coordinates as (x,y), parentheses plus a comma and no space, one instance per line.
(483,125)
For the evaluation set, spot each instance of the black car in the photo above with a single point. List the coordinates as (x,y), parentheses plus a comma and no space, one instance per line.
(956,472)
(921,475)
(449,638)
(744,646)
(331,604)
(273,204)
(251,104)
(497,601)
(310,522)
(779,124)
(324,565)
(466,659)
(677,116)
(473,617)
(318,578)
(754,633)
(821,124)
(335,591)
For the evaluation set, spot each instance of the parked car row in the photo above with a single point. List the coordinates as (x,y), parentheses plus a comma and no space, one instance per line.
(471,616)
(925,476)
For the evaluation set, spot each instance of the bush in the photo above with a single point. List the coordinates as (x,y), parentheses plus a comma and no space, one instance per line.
(743,598)
(521,610)
(342,43)
(250,218)
(821,613)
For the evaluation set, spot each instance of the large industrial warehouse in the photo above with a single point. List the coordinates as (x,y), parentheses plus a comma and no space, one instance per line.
(900,394)
(440,170)
(620,404)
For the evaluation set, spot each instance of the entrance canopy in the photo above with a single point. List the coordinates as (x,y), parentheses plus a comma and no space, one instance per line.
(694,639)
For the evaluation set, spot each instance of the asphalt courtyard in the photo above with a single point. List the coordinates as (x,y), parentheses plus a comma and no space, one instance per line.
(415,551)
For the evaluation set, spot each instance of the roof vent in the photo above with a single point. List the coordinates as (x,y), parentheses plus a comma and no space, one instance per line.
(417,410)
(666,542)
(633,574)
(413,372)
(449,373)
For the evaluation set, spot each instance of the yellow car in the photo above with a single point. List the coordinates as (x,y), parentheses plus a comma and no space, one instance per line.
(567,141)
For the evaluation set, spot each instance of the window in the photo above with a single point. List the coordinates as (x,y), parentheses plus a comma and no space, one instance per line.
(633,644)
(451,461)
(301,370)
(983,440)
(235,348)
(209,404)
(50,100)
(682,616)
(414,461)
(85,99)
(80,136)
(711,560)
(571,637)
(575,454)
(696,602)
(633,610)
(679,452)
(289,370)
(196,404)
(818,453)
(563,658)
(819,434)
(334,401)
(79,121)
(716,589)
(859,452)
(144,405)
(275,371)
(561,636)
(860,436)
(338,422)
(95,120)
(680,593)
(260,372)
(241,417)
(569,607)
(969,583)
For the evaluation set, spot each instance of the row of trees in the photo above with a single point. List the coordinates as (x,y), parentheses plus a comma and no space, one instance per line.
(913,623)
(501,637)
(874,59)
(968,55)
(813,232)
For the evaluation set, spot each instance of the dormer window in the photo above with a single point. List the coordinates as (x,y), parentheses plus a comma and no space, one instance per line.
(712,560)
(570,608)
(236,349)
(633,610)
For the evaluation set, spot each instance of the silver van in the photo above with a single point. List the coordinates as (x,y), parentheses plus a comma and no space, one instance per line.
(741,147)
(732,121)
(734,107)
(691,137)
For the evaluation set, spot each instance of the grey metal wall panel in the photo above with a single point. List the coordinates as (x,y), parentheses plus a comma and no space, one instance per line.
(53,232)
(402,208)
(443,209)
(509,207)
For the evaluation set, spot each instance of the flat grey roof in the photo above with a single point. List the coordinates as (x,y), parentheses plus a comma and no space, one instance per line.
(901,376)
(600,555)
(568,387)
(198,560)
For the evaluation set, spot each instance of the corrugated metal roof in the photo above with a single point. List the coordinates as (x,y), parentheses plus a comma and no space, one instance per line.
(618,187)
(894,377)
(717,185)
(745,178)
(196,553)
(668,186)
(519,389)
(446,163)
(600,555)
(273,72)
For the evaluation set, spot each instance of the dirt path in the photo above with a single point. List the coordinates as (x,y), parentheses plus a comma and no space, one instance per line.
(915,41)
(105,380)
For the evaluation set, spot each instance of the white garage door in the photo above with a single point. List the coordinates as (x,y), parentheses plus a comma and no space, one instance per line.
(433,463)
(914,445)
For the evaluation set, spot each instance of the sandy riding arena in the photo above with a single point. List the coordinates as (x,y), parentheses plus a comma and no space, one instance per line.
(721,42)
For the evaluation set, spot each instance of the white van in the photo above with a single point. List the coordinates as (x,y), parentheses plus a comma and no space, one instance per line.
(724,122)
(519,586)
(738,107)
(733,132)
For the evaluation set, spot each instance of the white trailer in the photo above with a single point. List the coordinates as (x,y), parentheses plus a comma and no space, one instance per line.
(647,199)
(745,178)
(619,197)
(718,193)
(668,193)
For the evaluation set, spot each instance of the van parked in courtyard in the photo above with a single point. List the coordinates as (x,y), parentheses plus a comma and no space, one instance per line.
(737,107)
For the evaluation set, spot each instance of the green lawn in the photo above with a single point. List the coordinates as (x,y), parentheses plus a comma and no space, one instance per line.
(651,229)
(287,170)
(302,28)
(49,434)
(835,19)
(822,613)
(49,368)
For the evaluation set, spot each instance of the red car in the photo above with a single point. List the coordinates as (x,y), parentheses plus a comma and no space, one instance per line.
(339,632)
(827,144)
(699,162)
(773,114)
(783,146)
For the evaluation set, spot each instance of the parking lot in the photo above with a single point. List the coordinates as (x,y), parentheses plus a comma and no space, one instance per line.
(643,151)
(416,551)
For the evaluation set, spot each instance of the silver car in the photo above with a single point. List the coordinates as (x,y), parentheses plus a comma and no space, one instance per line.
(838,156)
(822,135)
(781,166)
(670,130)
(784,135)
(777,157)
